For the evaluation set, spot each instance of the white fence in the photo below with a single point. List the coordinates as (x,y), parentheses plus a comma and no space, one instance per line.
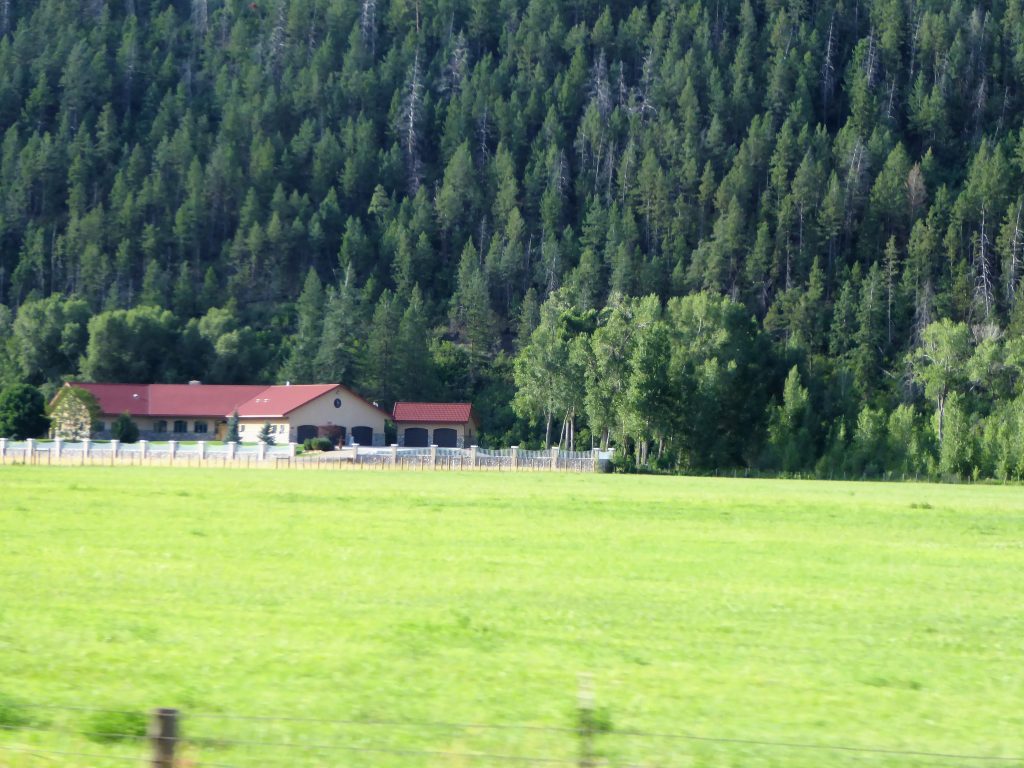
(94,452)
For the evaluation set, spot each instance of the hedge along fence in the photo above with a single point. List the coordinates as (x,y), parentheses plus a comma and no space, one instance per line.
(208,454)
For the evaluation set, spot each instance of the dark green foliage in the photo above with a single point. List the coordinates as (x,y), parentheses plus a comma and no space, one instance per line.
(13,714)
(115,726)
(231,433)
(22,412)
(124,429)
(317,444)
(389,199)
(264,435)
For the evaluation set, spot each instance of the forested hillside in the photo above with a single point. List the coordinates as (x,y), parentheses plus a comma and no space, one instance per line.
(716,233)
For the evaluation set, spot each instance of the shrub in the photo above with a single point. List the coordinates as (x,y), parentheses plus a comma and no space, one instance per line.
(317,444)
(124,429)
(110,726)
(12,713)
(22,412)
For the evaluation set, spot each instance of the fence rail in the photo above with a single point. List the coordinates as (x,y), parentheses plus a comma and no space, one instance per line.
(202,454)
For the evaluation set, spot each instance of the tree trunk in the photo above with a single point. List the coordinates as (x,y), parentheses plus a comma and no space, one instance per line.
(547,431)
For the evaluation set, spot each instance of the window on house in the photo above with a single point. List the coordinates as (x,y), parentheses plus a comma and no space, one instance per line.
(100,426)
(241,428)
(201,428)
(160,426)
(180,427)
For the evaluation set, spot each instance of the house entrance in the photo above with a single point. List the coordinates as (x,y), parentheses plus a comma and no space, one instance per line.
(306,432)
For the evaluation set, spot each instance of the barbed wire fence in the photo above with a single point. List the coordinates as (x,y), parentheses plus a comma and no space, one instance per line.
(173,738)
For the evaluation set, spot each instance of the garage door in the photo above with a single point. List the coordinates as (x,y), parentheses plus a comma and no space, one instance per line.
(446,438)
(362,435)
(306,432)
(415,437)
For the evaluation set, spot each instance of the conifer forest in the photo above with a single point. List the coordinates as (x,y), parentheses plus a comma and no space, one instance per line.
(775,235)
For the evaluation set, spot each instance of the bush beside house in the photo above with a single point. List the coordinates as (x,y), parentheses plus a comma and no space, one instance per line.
(22,412)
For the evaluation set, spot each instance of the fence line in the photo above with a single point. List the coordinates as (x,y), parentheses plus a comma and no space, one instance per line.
(168,742)
(474,458)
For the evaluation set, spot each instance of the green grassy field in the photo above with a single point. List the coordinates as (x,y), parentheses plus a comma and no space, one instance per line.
(848,614)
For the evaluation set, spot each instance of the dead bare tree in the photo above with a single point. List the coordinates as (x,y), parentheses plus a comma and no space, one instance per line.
(5,17)
(200,18)
(368,25)
(917,192)
(984,283)
(408,128)
(828,67)
(1013,247)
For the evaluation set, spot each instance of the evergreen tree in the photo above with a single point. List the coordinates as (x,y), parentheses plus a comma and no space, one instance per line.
(231,433)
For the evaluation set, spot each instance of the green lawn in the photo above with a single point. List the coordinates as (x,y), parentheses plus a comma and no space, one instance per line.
(854,614)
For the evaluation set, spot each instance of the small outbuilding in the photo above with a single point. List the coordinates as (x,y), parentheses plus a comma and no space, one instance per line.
(447,425)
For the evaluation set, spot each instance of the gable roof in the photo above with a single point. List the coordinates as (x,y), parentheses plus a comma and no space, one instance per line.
(212,400)
(280,400)
(458,413)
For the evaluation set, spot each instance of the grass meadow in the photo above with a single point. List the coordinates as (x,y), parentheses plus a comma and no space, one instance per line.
(411,609)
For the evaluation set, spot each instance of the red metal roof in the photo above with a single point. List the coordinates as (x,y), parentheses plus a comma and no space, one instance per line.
(456,413)
(280,400)
(212,400)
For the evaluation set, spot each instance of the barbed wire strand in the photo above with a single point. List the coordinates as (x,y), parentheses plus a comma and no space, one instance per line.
(383,723)
(543,728)
(123,758)
(821,747)
(392,751)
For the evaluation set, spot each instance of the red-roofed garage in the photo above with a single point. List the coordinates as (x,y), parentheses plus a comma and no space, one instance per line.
(446,425)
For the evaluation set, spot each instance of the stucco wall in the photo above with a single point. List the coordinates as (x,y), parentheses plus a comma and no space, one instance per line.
(353,412)
(147,427)
(249,429)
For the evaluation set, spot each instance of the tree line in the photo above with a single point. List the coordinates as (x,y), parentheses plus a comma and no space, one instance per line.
(783,234)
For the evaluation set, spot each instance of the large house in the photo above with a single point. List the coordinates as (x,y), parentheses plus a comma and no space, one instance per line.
(196,411)
(447,425)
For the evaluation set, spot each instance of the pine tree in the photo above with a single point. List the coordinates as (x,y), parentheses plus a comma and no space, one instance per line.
(231,433)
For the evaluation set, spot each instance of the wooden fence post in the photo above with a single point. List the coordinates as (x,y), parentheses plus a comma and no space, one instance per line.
(585,716)
(163,737)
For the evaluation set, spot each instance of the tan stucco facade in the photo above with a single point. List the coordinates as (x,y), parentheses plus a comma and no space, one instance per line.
(163,427)
(351,413)
(249,429)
